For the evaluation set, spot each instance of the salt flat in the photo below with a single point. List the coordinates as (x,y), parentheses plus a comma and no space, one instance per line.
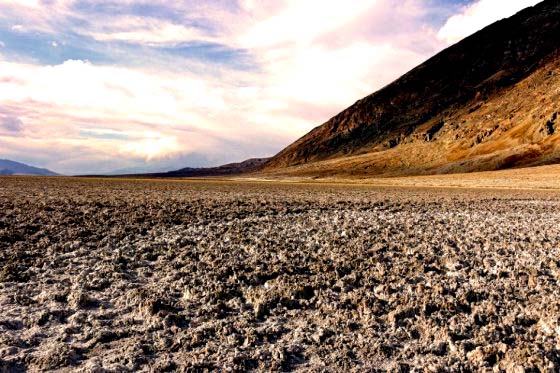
(531,178)
(152,275)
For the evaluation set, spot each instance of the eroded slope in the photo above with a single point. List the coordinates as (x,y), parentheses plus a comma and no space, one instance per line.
(519,127)
(439,114)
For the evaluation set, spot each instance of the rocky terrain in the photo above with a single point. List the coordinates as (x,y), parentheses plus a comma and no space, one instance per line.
(122,275)
(489,102)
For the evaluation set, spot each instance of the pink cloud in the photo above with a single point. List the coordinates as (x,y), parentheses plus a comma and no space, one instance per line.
(314,59)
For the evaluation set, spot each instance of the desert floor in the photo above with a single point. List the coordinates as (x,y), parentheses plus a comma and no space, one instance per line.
(130,275)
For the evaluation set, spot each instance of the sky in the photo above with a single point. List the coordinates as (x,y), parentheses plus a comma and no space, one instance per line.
(98,86)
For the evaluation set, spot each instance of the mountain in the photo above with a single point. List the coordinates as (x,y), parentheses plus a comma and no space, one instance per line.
(8,167)
(141,170)
(231,169)
(489,102)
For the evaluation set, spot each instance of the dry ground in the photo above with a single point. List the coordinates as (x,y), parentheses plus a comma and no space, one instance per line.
(124,275)
(530,178)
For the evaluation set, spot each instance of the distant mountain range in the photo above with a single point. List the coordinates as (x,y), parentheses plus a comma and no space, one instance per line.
(8,167)
(489,102)
(231,169)
(492,101)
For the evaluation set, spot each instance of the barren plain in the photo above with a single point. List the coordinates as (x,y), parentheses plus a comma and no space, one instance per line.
(128,275)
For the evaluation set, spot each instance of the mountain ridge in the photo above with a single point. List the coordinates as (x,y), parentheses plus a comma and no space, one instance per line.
(230,169)
(8,168)
(423,106)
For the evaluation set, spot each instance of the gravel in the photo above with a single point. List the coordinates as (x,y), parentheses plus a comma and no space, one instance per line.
(122,275)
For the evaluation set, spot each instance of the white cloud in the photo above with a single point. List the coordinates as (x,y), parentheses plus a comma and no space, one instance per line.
(329,54)
(61,16)
(153,145)
(301,21)
(157,114)
(313,58)
(335,77)
(26,3)
(146,30)
(478,15)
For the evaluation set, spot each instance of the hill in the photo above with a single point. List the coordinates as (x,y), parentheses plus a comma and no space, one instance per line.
(8,167)
(231,169)
(489,102)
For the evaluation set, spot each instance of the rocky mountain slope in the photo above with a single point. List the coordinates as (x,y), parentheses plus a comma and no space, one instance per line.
(8,167)
(489,102)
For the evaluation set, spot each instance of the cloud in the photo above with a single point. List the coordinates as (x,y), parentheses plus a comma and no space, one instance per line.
(135,21)
(478,15)
(138,114)
(200,81)
(152,146)
(10,125)
(149,31)
(307,69)
(331,54)
(149,145)
(24,3)
(300,21)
